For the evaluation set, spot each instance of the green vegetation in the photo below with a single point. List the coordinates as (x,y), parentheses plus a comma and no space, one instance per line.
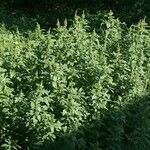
(84,84)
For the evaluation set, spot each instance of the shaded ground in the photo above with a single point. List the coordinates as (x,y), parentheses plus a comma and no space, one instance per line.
(119,129)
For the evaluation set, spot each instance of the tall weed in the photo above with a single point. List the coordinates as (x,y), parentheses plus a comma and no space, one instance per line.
(56,85)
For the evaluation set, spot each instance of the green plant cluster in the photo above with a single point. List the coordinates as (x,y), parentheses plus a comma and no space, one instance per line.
(71,89)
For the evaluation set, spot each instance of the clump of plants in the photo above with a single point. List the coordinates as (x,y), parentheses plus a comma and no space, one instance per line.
(69,88)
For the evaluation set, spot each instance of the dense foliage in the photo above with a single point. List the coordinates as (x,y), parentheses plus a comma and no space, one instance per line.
(72,89)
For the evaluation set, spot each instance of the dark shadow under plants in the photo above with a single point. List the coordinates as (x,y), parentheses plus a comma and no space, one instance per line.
(124,128)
